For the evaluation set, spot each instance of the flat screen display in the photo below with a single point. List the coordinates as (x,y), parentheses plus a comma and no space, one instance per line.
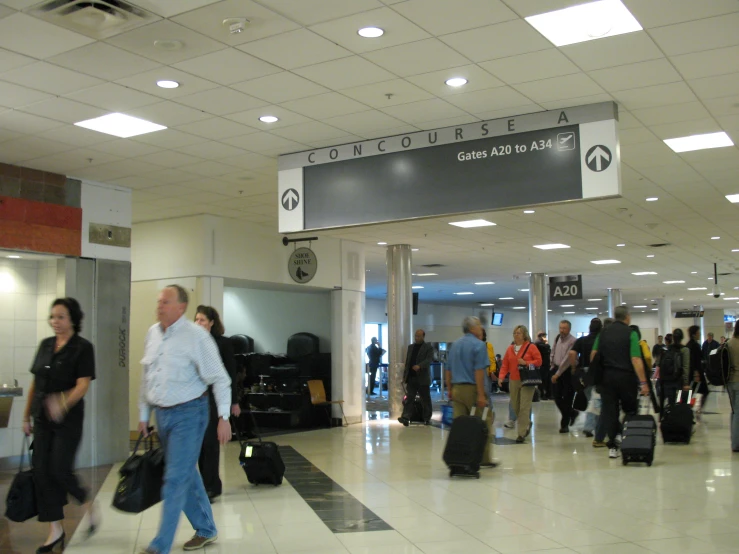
(497,319)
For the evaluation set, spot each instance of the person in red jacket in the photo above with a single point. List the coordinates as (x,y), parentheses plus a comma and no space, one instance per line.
(520,353)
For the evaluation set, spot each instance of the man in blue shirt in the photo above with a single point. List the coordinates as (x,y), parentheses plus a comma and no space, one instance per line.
(465,378)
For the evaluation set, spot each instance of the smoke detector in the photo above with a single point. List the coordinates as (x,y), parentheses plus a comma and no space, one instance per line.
(235,25)
(98,19)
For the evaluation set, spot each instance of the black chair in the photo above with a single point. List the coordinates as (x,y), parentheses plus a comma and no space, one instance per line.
(302,344)
(242,344)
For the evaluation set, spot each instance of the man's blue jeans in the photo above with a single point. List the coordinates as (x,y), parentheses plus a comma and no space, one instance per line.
(181,430)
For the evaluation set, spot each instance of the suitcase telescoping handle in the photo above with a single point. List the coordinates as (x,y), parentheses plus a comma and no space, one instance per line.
(256,429)
(484,412)
(680,396)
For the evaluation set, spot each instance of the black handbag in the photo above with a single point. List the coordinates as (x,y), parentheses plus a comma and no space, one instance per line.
(581,402)
(141,478)
(530,375)
(20,503)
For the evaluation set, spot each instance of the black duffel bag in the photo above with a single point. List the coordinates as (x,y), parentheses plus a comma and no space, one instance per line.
(141,478)
(20,504)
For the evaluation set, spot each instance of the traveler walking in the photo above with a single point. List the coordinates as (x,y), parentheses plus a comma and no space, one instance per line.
(545,389)
(374,355)
(564,392)
(733,388)
(417,377)
(580,359)
(674,370)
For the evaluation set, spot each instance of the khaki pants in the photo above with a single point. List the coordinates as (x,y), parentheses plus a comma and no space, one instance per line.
(464,398)
(521,398)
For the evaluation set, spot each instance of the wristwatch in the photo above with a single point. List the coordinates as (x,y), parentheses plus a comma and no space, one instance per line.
(224,418)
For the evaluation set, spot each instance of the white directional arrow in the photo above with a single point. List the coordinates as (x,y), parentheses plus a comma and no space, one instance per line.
(290,200)
(599,155)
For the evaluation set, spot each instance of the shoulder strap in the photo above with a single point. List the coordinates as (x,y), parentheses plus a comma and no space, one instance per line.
(525,350)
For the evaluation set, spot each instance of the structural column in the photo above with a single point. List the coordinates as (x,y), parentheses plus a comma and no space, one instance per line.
(664,310)
(699,322)
(538,304)
(399,313)
(614,301)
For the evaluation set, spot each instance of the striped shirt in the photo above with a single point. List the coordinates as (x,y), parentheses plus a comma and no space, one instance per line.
(178,365)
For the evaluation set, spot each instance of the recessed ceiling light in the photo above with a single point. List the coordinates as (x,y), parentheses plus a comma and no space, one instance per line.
(485,283)
(645,273)
(426,274)
(523,290)
(456,82)
(674,282)
(370,32)
(585,22)
(650,255)
(472,223)
(555,246)
(120,125)
(528,273)
(164,83)
(463,293)
(593,308)
(506,298)
(549,310)
(710,278)
(13,257)
(604,262)
(715,238)
(655,309)
(416,287)
(487,304)
(735,250)
(381,243)
(415,249)
(519,307)
(711,294)
(529,211)
(269,119)
(569,313)
(733,198)
(621,244)
(699,142)
(652,199)
(732,298)
(638,306)
(695,272)
(593,299)
(169,45)
(567,306)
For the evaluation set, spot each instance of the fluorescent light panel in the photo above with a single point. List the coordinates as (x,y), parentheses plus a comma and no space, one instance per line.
(569,313)
(567,306)
(472,223)
(733,198)
(596,308)
(463,293)
(555,246)
(519,307)
(120,125)
(485,283)
(416,287)
(605,262)
(585,22)
(699,142)
(673,282)
(638,306)
(645,273)
(506,298)
(485,305)
(426,274)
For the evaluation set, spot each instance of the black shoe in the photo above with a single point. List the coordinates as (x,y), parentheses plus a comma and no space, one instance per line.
(427,422)
(588,434)
(519,440)
(50,547)
(564,430)
(490,465)
(212,496)
(405,421)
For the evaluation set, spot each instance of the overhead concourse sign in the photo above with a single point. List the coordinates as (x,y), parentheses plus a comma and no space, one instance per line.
(541,158)
(568,287)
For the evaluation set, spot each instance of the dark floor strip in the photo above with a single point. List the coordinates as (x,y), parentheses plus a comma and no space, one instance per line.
(339,510)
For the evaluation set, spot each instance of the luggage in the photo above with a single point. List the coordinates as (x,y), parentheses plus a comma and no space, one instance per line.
(301,344)
(677,420)
(719,362)
(447,414)
(639,436)
(20,504)
(261,460)
(466,444)
(141,478)
(416,409)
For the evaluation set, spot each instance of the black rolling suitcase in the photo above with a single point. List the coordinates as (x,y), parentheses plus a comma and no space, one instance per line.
(416,409)
(639,436)
(466,444)
(677,420)
(261,460)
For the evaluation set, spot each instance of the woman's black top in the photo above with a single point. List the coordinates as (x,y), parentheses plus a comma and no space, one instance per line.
(56,372)
(229,361)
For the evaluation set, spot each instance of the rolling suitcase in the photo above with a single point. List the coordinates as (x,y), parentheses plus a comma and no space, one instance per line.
(466,444)
(261,460)
(677,420)
(639,436)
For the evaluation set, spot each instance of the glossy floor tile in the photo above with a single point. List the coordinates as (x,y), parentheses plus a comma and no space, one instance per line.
(381,488)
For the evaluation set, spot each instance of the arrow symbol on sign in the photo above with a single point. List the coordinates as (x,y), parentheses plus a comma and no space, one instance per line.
(290,199)
(600,156)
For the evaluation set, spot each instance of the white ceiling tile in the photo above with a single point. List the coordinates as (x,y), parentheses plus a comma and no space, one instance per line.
(142,41)
(169,176)
(517,110)
(653,72)
(26,123)
(390,132)
(426,110)
(294,49)
(310,12)
(324,106)
(447,122)
(169,114)
(168,138)
(168,8)
(398,30)
(685,128)
(115,98)
(221,101)
(125,148)
(212,150)
(494,99)
(497,41)
(576,101)
(636,135)
(376,95)
(324,143)
(215,129)
(659,13)
(50,78)
(147,82)
(280,87)
(441,17)
(729,122)
(722,106)
(708,63)
(716,87)
(10,60)
(531,66)
(103,61)
(264,143)
(560,88)
(64,110)
(423,56)
(657,95)
(310,132)
(79,136)
(613,51)
(345,73)
(671,114)
(435,82)
(695,36)
(169,158)
(526,8)
(20,33)
(251,161)
(227,66)
(251,118)
(15,96)
(74,159)
(28,148)
(5,11)
(262,21)
(122,168)
(364,123)
(208,168)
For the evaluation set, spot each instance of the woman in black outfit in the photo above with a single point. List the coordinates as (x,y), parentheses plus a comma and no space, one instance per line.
(63,369)
(208,318)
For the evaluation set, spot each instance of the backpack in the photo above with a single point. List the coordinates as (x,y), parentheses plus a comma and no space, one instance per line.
(671,366)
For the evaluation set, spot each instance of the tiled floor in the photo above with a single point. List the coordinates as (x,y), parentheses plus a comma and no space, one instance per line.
(555,494)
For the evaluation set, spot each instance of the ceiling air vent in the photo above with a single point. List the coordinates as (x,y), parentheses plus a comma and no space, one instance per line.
(98,19)
(433,265)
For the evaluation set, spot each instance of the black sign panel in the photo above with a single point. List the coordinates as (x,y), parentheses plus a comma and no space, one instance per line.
(568,287)
(535,167)
(688,314)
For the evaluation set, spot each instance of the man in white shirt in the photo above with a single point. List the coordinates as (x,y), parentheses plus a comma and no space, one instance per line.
(180,360)
(564,391)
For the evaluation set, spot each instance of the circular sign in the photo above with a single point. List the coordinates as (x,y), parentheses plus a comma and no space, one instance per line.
(290,199)
(598,158)
(302,265)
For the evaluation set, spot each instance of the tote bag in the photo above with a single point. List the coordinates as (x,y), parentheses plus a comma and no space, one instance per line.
(530,376)
(141,478)
(20,504)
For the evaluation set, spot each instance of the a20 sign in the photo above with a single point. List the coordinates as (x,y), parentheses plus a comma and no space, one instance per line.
(568,287)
